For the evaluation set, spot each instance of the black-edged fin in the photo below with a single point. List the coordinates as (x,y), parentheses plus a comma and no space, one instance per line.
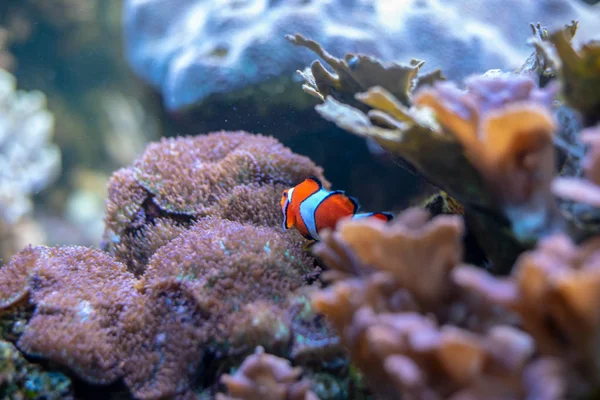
(316,180)
(354,201)
(387,214)
(308,237)
(286,216)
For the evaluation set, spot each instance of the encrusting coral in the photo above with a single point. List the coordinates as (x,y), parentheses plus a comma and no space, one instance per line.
(266,377)
(208,279)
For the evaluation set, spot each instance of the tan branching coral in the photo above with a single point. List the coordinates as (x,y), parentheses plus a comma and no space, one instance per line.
(505,126)
(580,75)
(410,328)
(357,73)
(229,175)
(266,377)
(556,291)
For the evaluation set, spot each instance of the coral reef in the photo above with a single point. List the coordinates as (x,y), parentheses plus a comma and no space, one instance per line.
(194,49)
(264,376)
(210,282)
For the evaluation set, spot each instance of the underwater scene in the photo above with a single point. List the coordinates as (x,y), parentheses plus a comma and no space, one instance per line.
(299,199)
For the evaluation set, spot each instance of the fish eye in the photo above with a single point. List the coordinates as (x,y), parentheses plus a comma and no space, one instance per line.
(285,193)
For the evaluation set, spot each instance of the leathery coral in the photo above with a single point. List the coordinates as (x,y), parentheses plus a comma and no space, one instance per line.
(79,296)
(198,286)
(234,175)
(209,283)
(266,377)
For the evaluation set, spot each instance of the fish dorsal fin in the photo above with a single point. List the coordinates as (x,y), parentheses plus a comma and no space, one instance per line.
(316,180)
(352,200)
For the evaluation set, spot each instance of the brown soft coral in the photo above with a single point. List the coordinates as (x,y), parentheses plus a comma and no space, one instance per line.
(410,355)
(556,291)
(505,126)
(79,295)
(391,259)
(412,329)
(230,175)
(266,377)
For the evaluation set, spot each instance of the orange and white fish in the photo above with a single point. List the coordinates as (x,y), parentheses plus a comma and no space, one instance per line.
(310,208)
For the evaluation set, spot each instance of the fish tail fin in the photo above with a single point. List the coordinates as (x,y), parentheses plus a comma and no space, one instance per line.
(383,215)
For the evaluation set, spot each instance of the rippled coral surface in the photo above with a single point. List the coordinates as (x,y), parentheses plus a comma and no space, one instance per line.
(192,49)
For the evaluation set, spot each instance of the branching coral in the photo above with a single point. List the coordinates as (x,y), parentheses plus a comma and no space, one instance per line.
(409,327)
(29,161)
(467,335)
(556,291)
(505,126)
(580,75)
(490,146)
(266,377)
(235,176)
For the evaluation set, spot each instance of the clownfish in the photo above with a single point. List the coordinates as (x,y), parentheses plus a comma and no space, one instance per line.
(310,208)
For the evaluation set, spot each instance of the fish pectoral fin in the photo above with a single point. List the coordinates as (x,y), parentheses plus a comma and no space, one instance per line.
(309,245)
